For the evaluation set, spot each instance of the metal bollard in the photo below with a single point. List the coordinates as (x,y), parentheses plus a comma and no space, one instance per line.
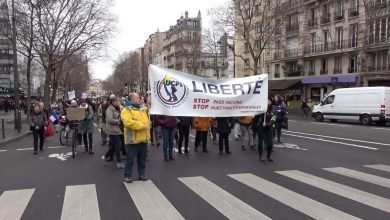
(2,128)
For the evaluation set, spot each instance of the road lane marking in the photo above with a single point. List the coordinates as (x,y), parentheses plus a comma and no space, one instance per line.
(150,202)
(192,135)
(289,146)
(339,138)
(292,120)
(23,149)
(381,167)
(229,205)
(297,201)
(1,151)
(13,203)
(339,189)
(381,181)
(56,147)
(334,142)
(80,202)
(386,129)
(319,123)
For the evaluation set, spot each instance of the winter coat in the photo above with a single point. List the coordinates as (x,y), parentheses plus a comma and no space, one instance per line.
(258,121)
(224,125)
(134,120)
(280,110)
(202,124)
(185,121)
(167,121)
(113,121)
(246,120)
(38,119)
(86,125)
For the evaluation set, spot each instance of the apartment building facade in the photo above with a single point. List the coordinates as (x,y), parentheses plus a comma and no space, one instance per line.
(6,52)
(325,45)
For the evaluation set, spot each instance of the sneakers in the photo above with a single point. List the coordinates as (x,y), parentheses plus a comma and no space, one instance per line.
(35,152)
(243,148)
(128,180)
(228,152)
(253,147)
(143,178)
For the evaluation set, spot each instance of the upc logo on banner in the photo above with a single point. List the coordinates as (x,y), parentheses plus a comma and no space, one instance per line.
(171,91)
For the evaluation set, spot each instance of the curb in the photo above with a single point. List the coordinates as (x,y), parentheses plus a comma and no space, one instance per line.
(12,139)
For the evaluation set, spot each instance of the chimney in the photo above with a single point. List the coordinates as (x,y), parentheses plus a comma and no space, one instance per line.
(186,14)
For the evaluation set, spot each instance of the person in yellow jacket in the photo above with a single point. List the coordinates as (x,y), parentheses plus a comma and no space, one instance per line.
(136,130)
(246,131)
(202,125)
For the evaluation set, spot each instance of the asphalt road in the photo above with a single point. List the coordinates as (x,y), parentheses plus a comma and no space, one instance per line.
(51,185)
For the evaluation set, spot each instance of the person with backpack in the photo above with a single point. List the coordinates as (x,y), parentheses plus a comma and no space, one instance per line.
(202,126)
(224,127)
(184,127)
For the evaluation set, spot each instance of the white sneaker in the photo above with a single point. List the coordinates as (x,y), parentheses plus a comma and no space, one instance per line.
(103,158)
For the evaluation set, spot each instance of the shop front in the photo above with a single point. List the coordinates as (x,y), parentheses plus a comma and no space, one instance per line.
(290,89)
(316,88)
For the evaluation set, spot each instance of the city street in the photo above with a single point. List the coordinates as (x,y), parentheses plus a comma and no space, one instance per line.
(322,171)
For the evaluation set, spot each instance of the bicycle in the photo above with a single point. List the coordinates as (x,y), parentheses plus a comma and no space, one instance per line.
(64,132)
(73,125)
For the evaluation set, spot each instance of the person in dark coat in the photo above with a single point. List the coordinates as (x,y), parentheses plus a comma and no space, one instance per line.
(86,126)
(38,125)
(168,129)
(263,127)
(279,110)
(184,133)
(224,127)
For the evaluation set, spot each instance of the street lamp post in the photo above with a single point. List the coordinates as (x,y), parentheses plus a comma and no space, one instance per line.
(17,116)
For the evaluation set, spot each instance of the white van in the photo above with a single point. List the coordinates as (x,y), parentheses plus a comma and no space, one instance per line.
(364,104)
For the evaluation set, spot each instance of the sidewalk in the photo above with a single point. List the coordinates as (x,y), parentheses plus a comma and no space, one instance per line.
(10,133)
(298,115)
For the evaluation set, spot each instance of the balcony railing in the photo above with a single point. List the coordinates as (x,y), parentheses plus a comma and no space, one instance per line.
(378,68)
(325,19)
(291,53)
(277,74)
(311,73)
(277,55)
(312,23)
(293,73)
(337,71)
(375,5)
(352,70)
(353,12)
(338,16)
(324,72)
(331,46)
(292,30)
(378,40)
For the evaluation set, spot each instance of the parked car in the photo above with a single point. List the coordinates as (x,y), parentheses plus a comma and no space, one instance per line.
(364,104)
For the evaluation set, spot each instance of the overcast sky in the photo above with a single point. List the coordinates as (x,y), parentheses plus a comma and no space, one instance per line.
(138,19)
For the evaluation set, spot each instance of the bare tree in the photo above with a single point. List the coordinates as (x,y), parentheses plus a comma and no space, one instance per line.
(190,51)
(212,41)
(68,27)
(253,22)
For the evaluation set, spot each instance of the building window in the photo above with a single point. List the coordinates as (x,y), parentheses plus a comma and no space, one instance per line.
(324,67)
(258,27)
(326,41)
(313,42)
(353,29)
(353,64)
(268,69)
(312,66)
(246,47)
(339,14)
(337,65)
(246,64)
(379,62)
(257,44)
(339,37)
(277,71)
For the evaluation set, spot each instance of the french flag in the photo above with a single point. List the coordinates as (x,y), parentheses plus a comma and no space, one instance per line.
(53,117)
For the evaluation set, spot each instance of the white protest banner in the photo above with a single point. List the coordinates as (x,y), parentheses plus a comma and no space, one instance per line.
(84,95)
(71,95)
(176,93)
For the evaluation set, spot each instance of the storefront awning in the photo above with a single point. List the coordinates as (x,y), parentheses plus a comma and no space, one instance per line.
(350,78)
(282,84)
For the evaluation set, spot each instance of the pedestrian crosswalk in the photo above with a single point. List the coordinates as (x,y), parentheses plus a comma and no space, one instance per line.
(82,201)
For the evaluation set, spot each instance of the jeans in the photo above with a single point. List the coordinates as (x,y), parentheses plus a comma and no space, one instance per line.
(168,138)
(41,135)
(264,136)
(87,138)
(132,151)
(201,136)
(246,132)
(223,138)
(111,149)
(278,129)
(117,143)
(184,133)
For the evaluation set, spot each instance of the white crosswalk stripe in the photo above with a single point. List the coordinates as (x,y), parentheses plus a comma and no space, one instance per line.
(80,202)
(339,189)
(301,203)
(224,202)
(13,203)
(379,167)
(151,203)
(381,181)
